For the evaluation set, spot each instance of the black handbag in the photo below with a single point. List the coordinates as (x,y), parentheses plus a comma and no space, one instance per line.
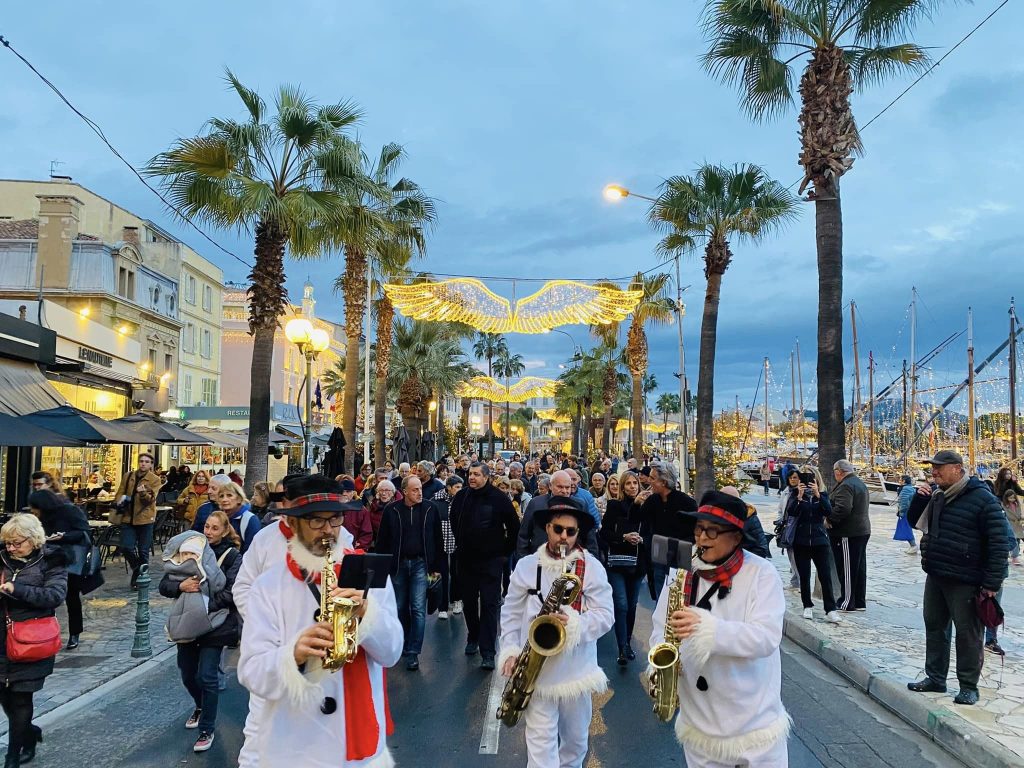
(788,535)
(92,571)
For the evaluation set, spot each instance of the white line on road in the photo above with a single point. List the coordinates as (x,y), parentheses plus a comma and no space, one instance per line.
(492,725)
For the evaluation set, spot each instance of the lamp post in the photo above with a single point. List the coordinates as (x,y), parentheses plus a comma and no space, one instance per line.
(432,416)
(577,356)
(615,193)
(311,342)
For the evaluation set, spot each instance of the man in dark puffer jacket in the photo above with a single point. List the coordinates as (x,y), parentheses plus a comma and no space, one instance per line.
(963,551)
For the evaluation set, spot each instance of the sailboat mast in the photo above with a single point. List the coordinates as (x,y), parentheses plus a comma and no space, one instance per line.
(906,445)
(871,407)
(800,381)
(858,422)
(1013,382)
(970,392)
(792,392)
(911,416)
(766,425)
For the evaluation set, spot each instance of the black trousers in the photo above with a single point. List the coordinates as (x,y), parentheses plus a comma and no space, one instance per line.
(820,556)
(948,601)
(18,708)
(480,587)
(449,581)
(74,603)
(851,554)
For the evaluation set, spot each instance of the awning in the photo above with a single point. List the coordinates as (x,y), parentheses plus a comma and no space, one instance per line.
(24,389)
(79,425)
(161,431)
(221,438)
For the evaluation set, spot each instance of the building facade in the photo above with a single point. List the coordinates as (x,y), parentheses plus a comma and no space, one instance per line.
(199,362)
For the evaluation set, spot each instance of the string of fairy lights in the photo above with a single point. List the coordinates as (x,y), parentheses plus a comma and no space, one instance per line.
(526,388)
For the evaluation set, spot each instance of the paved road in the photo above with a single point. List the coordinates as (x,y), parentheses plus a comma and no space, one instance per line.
(444,707)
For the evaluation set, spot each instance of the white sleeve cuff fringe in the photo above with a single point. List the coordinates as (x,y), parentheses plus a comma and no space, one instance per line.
(695,650)
(367,624)
(572,629)
(592,682)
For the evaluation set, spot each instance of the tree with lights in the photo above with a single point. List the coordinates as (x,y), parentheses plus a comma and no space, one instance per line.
(654,308)
(489,346)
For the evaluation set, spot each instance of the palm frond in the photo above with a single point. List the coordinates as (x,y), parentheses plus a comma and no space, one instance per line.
(870,66)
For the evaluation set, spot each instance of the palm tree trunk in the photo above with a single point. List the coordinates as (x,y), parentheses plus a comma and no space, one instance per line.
(439,427)
(828,222)
(354,292)
(267,300)
(385,330)
(466,404)
(638,417)
(705,465)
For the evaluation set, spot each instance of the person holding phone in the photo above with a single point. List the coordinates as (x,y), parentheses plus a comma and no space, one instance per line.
(809,506)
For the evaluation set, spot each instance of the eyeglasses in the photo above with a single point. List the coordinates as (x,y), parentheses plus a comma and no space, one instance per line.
(319,523)
(15,544)
(710,531)
(568,530)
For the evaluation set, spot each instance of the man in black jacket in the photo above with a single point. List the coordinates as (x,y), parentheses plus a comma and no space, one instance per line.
(663,512)
(849,531)
(963,551)
(485,525)
(410,531)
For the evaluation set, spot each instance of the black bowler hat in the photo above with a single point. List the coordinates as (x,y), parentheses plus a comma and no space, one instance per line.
(565,505)
(721,508)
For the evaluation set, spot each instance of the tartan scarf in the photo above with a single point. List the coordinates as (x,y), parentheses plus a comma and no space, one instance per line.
(722,574)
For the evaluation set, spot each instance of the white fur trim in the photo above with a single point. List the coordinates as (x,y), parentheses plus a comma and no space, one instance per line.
(572,629)
(383,760)
(729,749)
(508,653)
(549,563)
(695,650)
(366,624)
(305,559)
(302,689)
(592,682)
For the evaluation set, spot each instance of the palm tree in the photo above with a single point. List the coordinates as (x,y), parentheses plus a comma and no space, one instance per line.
(569,396)
(712,206)
(755,45)
(386,221)
(283,177)
(654,308)
(667,403)
(608,335)
(508,365)
(384,313)
(488,346)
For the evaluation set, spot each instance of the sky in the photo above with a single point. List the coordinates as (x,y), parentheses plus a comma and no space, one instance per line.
(515,116)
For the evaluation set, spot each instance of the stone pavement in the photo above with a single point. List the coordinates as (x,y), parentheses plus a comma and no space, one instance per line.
(882,649)
(106,644)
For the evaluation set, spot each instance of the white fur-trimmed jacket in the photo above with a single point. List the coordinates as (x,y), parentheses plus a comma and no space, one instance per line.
(292,726)
(573,672)
(736,651)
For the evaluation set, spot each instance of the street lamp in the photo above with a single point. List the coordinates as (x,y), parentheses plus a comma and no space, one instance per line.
(614,193)
(311,342)
(577,357)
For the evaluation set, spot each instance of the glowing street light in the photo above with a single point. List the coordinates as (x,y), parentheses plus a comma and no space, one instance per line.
(311,342)
(615,192)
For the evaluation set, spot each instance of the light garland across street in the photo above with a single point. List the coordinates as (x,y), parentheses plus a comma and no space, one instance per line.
(486,388)
(467,300)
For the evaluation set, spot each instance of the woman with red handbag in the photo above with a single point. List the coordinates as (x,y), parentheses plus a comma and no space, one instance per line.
(33,582)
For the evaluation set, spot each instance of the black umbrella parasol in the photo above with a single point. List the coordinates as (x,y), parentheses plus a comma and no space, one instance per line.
(400,448)
(334,460)
(79,425)
(16,432)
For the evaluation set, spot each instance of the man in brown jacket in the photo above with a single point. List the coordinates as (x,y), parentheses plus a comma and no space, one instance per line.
(136,498)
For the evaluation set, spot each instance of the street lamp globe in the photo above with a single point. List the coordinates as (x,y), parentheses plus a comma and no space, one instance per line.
(298,330)
(615,192)
(319,339)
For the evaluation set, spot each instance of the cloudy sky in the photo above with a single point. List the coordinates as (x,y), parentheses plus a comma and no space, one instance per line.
(515,115)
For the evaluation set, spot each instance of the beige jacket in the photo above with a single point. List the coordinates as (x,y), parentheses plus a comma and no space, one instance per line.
(145,490)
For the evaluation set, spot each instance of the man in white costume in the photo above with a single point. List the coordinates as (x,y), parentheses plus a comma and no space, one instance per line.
(324,719)
(730,687)
(269,548)
(558,716)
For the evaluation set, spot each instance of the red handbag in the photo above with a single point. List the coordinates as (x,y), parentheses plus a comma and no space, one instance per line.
(32,639)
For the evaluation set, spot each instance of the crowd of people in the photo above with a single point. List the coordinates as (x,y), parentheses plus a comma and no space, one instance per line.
(486,540)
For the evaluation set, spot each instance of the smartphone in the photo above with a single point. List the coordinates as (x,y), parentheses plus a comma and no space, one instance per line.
(675,553)
(807,477)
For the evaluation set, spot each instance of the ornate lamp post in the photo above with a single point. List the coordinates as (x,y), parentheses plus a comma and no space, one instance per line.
(311,342)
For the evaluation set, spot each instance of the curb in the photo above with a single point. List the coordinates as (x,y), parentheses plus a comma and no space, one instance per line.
(966,742)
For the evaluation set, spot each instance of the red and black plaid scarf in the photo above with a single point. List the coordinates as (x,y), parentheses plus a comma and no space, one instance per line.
(721,575)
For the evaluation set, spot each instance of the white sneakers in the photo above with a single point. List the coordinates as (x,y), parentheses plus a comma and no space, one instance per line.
(809,613)
(910,551)
(443,615)
(456,607)
(833,617)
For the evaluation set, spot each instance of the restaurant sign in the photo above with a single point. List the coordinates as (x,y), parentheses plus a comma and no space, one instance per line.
(96,358)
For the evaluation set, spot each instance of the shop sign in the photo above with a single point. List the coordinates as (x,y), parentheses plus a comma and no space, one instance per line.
(94,357)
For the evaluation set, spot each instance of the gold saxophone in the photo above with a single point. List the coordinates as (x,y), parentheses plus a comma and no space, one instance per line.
(545,637)
(339,612)
(664,657)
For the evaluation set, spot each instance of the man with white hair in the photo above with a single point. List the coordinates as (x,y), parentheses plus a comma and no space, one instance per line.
(663,509)
(431,485)
(850,529)
(404,470)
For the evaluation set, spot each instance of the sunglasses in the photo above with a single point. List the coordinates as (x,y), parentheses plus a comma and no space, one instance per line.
(568,530)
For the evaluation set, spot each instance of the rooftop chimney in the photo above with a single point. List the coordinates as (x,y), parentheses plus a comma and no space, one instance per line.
(58,227)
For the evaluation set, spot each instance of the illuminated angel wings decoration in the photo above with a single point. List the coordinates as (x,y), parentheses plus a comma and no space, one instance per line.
(467,300)
(486,388)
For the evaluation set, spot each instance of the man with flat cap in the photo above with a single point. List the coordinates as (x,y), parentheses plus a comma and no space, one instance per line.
(963,551)
(730,630)
(559,713)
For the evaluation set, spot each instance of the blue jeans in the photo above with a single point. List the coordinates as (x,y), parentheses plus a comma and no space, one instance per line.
(625,592)
(199,674)
(659,574)
(136,542)
(410,585)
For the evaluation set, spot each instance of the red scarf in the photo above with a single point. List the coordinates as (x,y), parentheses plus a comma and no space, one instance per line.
(362,731)
(721,575)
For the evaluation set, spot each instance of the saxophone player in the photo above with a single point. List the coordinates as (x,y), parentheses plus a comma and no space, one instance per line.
(321,718)
(559,712)
(730,629)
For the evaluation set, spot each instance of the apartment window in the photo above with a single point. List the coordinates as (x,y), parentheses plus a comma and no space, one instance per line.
(206,345)
(210,392)
(152,359)
(126,283)
(186,389)
(188,338)
(190,290)
(207,298)
(168,363)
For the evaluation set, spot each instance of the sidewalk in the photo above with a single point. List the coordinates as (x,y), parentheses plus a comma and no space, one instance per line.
(106,644)
(882,649)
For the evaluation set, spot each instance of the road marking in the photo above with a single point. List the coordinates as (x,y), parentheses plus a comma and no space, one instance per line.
(492,725)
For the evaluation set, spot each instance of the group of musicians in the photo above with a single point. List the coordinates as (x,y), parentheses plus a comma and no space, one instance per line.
(728,627)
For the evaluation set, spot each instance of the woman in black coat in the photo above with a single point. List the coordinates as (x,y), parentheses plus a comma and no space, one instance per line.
(624,532)
(34,583)
(808,503)
(66,526)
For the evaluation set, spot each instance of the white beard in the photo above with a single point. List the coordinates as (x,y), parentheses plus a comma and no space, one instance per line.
(305,559)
